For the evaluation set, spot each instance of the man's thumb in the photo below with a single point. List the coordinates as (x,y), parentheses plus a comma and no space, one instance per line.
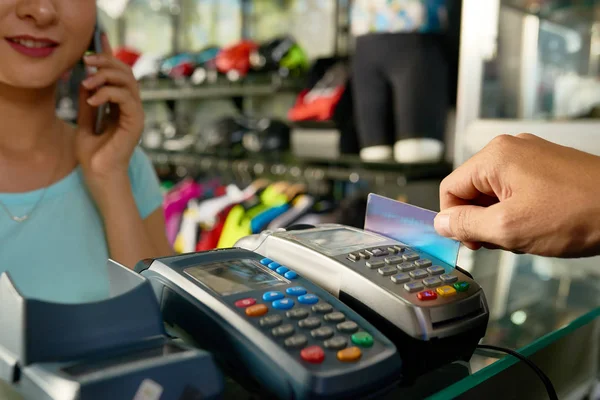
(466,223)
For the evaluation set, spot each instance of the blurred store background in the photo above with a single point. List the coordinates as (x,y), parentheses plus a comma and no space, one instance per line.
(298,92)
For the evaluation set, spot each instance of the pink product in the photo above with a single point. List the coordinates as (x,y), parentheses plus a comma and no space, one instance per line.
(172,226)
(176,200)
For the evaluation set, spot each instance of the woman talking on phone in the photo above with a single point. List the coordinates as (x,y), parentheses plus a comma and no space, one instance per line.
(69,199)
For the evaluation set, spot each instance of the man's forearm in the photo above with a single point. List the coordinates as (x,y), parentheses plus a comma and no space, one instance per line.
(127,236)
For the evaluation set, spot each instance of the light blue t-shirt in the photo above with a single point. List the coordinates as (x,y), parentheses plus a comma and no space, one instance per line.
(60,253)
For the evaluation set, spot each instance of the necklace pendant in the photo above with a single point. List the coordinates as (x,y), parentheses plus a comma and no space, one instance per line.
(20,219)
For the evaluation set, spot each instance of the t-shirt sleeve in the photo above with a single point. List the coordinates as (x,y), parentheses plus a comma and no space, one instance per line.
(145,184)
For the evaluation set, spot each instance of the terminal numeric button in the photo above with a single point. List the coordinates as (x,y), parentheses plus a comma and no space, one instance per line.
(400,248)
(423,263)
(335,317)
(392,250)
(322,308)
(419,274)
(272,296)
(461,286)
(243,303)
(256,310)
(291,275)
(270,321)
(347,327)
(375,264)
(410,256)
(387,271)
(407,266)
(432,282)
(446,291)
(363,254)
(336,343)
(295,291)
(354,256)
(394,260)
(296,341)
(308,299)
(313,354)
(400,278)
(299,313)
(447,278)
(281,270)
(427,295)
(310,323)
(283,330)
(362,339)
(413,286)
(324,332)
(377,252)
(436,270)
(350,354)
(273,266)
(283,304)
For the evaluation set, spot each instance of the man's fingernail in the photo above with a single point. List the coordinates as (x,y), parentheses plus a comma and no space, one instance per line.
(442,224)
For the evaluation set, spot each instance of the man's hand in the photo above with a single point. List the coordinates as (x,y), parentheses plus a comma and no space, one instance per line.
(524,194)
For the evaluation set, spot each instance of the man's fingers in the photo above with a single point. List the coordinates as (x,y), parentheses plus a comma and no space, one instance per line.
(471,224)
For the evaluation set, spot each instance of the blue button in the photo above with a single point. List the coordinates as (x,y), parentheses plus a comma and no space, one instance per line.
(295,291)
(283,304)
(291,275)
(308,299)
(266,261)
(282,270)
(273,266)
(272,296)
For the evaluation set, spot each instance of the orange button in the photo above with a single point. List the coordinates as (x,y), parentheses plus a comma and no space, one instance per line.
(350,354)
(256,310)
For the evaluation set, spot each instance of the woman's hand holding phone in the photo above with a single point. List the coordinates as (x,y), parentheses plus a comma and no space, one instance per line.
(105,157)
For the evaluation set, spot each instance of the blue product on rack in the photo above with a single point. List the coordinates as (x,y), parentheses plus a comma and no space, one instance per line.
(270,326)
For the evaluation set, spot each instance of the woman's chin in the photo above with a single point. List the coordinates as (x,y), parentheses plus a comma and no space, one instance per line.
(31,82)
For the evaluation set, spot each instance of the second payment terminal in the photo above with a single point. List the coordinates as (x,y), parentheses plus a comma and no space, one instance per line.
(435,313)
(271,328)
(111,349)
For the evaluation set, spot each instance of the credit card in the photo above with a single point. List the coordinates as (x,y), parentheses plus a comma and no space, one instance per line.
(410,225)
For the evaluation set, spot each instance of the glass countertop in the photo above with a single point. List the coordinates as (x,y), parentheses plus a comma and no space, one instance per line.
(534,303)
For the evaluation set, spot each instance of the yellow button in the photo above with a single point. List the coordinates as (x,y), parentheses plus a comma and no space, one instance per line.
(446,291)
(350,354)
(256,310)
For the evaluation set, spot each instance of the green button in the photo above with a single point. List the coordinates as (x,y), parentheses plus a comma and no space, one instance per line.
(461,286)
(362,339)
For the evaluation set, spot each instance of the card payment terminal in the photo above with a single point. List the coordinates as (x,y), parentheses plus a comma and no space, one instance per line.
(110,349)
(435,313)
(265,322)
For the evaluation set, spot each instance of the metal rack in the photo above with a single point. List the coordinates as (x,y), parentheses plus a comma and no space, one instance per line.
(165,91)
(344,169)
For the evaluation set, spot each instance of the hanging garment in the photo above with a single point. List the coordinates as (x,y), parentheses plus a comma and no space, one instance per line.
(300,206)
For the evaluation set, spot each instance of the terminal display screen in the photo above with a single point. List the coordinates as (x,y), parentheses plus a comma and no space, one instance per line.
(235,276)
(337,240)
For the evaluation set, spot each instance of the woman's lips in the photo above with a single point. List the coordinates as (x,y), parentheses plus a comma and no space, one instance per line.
(32,47)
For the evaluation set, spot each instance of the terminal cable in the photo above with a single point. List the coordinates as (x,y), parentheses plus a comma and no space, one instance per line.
(543,377)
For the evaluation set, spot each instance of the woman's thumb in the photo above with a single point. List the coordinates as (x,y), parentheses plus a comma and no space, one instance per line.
(467,223)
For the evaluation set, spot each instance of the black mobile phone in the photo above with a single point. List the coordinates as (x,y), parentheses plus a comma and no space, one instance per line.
(103,111)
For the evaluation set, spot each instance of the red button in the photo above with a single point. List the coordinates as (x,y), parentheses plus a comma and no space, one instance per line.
(313,354)
(243,303)
(427,295)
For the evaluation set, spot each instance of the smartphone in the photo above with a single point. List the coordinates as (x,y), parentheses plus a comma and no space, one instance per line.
(103,111)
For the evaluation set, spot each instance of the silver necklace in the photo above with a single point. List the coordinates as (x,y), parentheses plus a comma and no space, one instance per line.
(23,218)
